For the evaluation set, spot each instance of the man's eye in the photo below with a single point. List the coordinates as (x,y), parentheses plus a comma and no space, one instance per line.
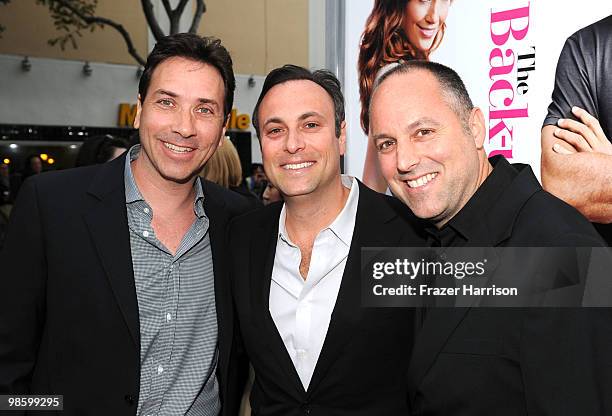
(311,125)
(275,130)
(424,132)
(165,101)
(204,110)
(385,145)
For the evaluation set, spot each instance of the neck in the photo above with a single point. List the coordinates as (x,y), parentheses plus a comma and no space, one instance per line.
(484,170)
(307,215)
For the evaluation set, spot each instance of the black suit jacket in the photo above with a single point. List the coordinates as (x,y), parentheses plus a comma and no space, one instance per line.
(364,359)
(68,308)
(511,361)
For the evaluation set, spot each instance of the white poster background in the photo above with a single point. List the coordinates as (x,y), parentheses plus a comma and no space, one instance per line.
(466,48)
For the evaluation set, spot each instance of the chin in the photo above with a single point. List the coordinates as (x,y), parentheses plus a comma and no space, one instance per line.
(178,177)
(294,192)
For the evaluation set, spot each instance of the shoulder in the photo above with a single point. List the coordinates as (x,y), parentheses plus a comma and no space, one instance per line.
(253,221)
(61,185)
(65,178)
(372,202)
(593,35)
(235,203)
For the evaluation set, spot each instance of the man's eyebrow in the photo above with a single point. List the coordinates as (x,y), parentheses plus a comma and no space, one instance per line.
(273,120)
(208,101)
(166,92)
(309,114)
(423,121)
(175,95)
(381,136)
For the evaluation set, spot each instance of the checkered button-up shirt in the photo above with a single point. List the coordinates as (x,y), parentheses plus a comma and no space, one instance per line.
(177,311)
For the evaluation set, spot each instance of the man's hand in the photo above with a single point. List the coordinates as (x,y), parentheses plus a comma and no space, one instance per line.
(585,135)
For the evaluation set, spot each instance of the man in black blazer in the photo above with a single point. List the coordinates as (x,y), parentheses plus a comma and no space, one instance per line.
(483,361)
(296,275)
(114,290)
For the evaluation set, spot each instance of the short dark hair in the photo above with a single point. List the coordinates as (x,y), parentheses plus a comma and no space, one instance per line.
(323,78)
(99,149)
(451,85)
(207,50)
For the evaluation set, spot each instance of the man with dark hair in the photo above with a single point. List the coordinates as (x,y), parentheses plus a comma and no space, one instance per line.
(482,361)
(113,290)
(100,149)
(577,131)
(297,286)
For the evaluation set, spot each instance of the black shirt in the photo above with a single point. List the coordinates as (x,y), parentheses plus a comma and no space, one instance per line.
(511,361)
(467,227)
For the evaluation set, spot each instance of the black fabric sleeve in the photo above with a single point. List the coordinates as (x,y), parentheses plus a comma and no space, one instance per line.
(22,292)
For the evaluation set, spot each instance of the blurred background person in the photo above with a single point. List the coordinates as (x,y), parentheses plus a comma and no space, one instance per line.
(223,168)
(6,185)
(33,166)
(396,31)
(6,200)
(100,149)
(271,194)
(258,180)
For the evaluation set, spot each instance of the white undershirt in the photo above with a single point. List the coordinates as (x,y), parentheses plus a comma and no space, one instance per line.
(301,309)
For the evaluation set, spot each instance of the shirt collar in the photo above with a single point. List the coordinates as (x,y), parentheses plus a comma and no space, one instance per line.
(132,193)
(469,223)
(344,224)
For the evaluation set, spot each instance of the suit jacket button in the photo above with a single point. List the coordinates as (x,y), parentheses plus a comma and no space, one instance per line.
(129,399)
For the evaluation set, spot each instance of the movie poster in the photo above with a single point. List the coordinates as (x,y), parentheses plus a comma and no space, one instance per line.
(506,52)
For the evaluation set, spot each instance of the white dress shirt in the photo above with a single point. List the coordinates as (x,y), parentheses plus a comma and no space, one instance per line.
(301,309)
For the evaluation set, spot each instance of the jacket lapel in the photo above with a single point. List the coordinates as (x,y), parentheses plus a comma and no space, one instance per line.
(214,207)
(382,229)
(488,231)
(262,253)
(106,219)
(437,328)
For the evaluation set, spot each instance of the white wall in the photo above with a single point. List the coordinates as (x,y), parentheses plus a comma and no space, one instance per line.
(55,92)
(316,34)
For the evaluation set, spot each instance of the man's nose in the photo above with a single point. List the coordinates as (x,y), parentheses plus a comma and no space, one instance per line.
(407,156)
(184,124)
(294,142)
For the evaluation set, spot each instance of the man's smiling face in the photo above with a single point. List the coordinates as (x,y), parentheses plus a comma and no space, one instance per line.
(301,153)
(426,156)
(180,119)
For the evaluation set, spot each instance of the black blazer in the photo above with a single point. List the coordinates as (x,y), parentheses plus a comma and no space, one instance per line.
(68,308)
(363,363)
(511,361)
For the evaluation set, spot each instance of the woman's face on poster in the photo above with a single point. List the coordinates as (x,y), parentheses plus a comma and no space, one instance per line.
(423,20)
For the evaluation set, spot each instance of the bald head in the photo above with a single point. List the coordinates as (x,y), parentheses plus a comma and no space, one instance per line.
(451,86)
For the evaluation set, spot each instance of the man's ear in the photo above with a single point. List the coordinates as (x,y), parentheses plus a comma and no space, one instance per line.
(138,112)
(222,139)
(342,138)
(477,127)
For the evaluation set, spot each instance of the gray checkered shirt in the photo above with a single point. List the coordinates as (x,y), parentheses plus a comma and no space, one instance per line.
(178,316)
